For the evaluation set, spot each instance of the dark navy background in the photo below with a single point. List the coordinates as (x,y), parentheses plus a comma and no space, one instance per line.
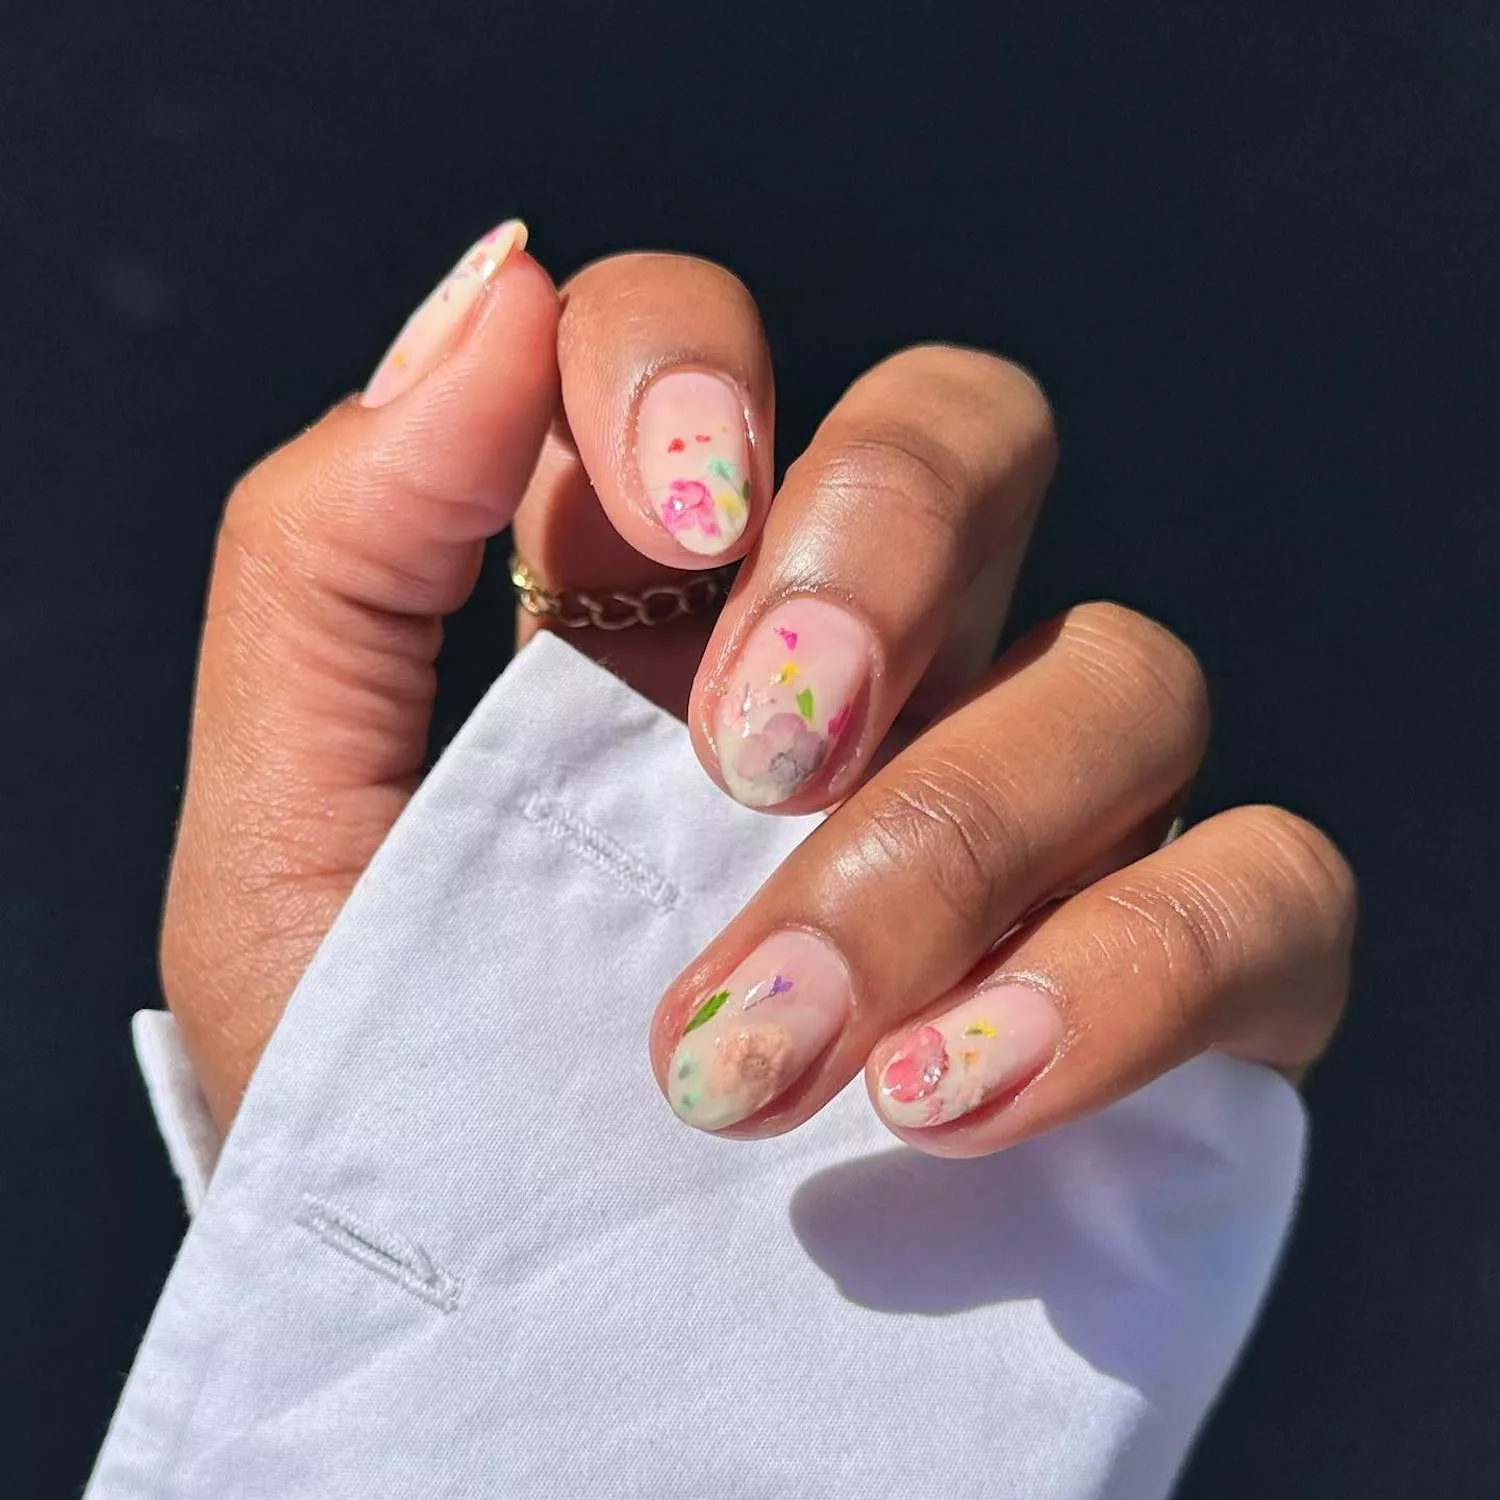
(1252,252)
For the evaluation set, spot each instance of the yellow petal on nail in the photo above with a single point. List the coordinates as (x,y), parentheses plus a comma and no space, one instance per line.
(970,1056)
(789,671)
(980,1027)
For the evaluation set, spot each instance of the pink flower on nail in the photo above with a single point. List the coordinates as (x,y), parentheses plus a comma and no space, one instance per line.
(918,1068)
(782,755)
(755,1062)
(690,504)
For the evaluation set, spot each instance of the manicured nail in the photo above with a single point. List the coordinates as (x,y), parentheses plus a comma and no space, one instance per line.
(437,325)
(790,699)
(755,1034)
(694,459)
(986,1047)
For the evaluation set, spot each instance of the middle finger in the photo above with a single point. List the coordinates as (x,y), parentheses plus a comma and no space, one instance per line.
(924,477)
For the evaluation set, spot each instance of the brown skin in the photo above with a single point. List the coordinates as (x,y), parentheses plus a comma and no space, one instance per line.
(340,554)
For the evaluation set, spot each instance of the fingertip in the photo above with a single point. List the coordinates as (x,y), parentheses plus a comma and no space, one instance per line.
(446,317)
(392,491)
(514,336)
(469,426)
(667,387)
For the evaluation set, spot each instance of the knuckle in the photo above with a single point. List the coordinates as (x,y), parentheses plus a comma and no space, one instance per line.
(1261,921)
(953,832)
(952,445)
(245,514)
(1130,656)
(632,293)
(611,273)
(1303,853)
(903,470)
(341,519)
(266,521)
(1309,890)
(998,407)
(976,378)
(1189,921)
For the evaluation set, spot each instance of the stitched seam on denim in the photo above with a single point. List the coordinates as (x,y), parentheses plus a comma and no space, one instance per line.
(397,1259)
(601,851)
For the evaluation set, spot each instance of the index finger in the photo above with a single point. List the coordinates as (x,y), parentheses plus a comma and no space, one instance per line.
(668,394)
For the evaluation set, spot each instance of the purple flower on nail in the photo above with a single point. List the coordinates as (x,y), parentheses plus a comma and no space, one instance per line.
(762,992)
(690,504)
(782,755)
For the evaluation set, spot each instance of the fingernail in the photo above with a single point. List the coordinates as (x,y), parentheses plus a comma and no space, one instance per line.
(694,459)
(986,1047)
(790,699)
(435,328)
(751,1037)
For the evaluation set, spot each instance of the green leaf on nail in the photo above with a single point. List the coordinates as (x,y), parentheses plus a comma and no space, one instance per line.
(720,468)
(805,704)
(707,1011)
(745,492)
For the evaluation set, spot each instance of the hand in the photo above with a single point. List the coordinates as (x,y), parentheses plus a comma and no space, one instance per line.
(923,932)
(877,585)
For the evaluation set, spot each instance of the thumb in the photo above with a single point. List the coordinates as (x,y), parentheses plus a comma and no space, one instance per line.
(337,557)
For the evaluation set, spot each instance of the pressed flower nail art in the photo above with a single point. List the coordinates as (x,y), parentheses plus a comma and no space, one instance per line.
(753,1036)
(988,1046)
(789,699)
(436,324)
(694,459)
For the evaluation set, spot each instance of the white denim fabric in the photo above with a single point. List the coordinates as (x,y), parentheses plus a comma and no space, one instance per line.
(456,1244)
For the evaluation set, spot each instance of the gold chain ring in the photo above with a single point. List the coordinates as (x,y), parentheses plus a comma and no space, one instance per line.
(659,605)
